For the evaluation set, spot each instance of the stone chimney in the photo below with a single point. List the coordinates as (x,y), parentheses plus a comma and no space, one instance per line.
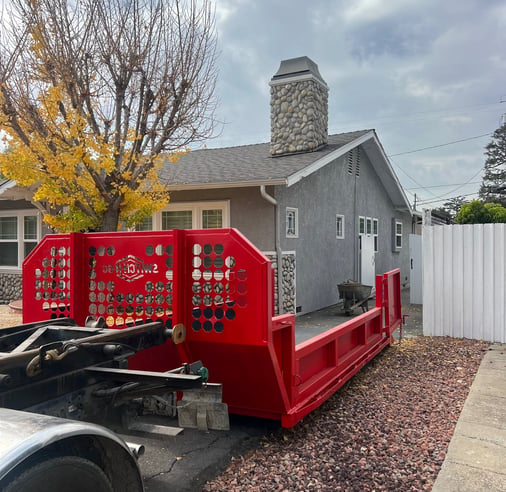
(299,108)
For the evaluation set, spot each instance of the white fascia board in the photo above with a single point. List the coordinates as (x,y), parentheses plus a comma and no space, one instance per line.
(11,191)
(235,184)
(317,165)
(7,186)
(393,176)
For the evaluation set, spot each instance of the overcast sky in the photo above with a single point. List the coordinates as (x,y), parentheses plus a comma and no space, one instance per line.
(422,73)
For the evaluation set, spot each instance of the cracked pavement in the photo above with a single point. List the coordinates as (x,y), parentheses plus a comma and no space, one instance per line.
(186,461)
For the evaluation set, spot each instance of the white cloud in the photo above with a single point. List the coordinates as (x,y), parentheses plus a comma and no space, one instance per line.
(373,10)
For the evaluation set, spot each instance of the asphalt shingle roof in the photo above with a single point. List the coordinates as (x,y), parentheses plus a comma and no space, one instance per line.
(246,164)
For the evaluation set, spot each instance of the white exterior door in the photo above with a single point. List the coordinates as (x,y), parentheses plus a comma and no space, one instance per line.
(415,269)
(367,261)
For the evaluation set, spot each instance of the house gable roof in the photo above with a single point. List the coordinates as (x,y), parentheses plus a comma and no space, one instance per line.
(9,190)
(246,165)
(252,165)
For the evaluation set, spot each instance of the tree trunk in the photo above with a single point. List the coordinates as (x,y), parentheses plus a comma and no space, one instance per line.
(110,219)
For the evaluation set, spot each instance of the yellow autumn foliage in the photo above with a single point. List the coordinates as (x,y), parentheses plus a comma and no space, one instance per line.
(67,164)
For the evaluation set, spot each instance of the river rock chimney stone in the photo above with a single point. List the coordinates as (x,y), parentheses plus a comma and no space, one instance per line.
(299,108)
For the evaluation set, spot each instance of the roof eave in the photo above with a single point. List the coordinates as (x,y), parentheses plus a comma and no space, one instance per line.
(389,179)
(317,165)
(221,185)
(386,172)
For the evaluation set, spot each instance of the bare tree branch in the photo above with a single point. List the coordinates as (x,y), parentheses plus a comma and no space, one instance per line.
(135,79)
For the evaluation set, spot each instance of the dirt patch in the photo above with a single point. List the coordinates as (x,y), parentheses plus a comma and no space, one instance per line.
(9,317)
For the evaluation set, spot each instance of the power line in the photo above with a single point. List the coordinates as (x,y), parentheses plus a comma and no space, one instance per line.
(445,196)
(441,145)
(442,186)
(415,116)
(428,202)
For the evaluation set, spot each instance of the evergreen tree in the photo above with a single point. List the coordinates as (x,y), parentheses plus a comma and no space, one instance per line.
(493,187)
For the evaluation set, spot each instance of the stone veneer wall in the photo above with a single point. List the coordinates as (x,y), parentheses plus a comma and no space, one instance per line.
(288,282)
(299,116)
(11,287)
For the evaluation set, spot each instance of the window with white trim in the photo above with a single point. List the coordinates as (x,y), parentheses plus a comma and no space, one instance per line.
(375,226)
(398,234)
(191,215)
(178,219)
(19,234)
(361,225)
(145,225)
(339,226)
(368,226)
(292,222)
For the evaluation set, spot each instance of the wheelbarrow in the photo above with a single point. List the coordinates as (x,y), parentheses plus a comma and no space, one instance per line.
(354,295)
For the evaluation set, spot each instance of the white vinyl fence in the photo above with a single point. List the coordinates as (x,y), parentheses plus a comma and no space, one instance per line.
(464,276)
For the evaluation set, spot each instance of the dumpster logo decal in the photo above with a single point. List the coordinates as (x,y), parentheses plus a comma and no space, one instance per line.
(131,268)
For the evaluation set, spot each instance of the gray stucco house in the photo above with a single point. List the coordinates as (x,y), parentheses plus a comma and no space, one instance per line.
(330,206)
(325,208)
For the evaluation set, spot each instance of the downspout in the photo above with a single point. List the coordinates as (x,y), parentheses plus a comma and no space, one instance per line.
(356,239)
(277,245)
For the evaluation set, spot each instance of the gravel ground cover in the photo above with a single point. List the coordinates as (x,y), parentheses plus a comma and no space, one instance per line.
(386,429)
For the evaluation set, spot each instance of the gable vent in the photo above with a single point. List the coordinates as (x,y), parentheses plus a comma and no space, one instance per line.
(350,162)
(354,162)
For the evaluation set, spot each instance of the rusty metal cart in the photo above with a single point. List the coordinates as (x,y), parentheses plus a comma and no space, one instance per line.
(354,295)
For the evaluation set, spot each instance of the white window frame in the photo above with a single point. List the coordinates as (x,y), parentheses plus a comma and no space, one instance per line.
(295,233)
(20,215)
(397,235)
(339,226)
(196,208)
(368,226)
(361,225)
(375,231)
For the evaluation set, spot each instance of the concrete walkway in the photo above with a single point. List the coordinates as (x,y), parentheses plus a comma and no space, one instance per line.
(476,459)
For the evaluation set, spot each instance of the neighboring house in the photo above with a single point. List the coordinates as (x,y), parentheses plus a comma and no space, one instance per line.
(329,206)
(21,229)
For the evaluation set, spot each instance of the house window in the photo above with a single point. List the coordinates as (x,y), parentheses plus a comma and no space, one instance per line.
(368,226)
(194,215)
(292,225)
(145,225)
(19,234)
(212,219)
(398,234)
(340,226)
(375,234)
(361,225)
(177,219)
